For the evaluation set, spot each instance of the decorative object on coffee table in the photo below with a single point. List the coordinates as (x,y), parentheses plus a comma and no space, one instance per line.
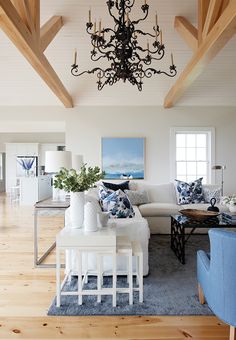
(212,206)
(77,183)
(198,215)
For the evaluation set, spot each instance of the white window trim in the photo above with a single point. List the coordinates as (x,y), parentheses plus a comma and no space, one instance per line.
(211,138)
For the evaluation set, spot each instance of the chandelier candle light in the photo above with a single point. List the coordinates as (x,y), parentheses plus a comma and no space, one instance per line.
(119,46)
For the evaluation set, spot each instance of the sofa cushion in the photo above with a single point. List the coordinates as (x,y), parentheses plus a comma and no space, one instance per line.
(188,193)
(160,193)
(137,197)
(114,186)
(159,209)
(118,205)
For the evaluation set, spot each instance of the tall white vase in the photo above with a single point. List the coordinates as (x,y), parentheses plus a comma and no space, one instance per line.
(77,201)
(90,217)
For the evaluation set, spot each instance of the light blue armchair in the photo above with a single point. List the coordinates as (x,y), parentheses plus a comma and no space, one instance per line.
(216,275)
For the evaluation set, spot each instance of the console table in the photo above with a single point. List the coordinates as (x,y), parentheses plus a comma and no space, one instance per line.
(46,205)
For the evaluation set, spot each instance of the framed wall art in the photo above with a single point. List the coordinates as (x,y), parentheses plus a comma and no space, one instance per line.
(123,158)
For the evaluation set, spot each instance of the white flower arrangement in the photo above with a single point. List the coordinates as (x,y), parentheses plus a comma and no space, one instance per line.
(229,200)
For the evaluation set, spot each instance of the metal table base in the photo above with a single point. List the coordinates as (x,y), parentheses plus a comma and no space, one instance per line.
(40,206)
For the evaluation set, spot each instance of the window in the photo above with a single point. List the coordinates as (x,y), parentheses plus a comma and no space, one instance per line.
(192,154)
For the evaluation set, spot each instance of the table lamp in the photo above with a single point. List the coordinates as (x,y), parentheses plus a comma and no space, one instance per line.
(222,168)
(54,161)
(77,162)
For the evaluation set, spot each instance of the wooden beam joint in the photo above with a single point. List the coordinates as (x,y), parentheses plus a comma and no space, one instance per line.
(223,30)
(187,31)
(16,29)
(49,30)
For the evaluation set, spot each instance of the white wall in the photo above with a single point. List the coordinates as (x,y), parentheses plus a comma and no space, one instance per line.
(86,125)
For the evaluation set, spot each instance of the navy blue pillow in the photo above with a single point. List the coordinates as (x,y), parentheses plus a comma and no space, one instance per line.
(121,186)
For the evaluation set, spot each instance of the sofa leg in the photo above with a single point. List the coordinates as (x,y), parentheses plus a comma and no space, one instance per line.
(232,333)
(201,295)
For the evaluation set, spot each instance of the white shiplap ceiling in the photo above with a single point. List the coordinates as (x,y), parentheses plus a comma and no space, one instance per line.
(20,85)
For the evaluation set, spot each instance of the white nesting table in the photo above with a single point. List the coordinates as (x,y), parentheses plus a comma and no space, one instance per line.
(102,242)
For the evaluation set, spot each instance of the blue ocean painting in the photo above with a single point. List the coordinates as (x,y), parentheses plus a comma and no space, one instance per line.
(123,158)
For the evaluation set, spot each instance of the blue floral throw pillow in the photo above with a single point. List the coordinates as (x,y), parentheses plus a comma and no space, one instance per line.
(118,205)
(188,193)
(103,194)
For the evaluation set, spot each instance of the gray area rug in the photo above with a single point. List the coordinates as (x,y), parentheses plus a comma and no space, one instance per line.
(170,288)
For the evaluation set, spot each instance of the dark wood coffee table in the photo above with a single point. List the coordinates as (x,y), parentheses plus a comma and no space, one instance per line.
(180,223)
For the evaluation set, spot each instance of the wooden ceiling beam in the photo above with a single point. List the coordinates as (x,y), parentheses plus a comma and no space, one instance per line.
(212,16)
(203,6)
(17,31)
(49,30)
(224,5)
(29,19)
(222,32)
(187,31)
(34,6)
(20,7)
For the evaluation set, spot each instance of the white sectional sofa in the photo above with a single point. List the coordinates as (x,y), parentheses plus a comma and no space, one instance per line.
(150,218)
(163,203)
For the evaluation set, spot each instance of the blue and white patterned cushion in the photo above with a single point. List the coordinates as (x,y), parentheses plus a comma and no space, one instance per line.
(118,205)
(103,194)
(188,193)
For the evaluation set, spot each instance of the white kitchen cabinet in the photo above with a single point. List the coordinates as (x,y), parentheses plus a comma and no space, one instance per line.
(34,189)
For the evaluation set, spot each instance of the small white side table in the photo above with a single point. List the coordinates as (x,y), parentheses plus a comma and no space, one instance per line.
(102,242)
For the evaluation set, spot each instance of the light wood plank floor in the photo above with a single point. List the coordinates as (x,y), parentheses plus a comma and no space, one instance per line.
(26,293)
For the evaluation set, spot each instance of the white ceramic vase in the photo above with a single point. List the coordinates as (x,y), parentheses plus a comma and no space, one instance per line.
(77,201)
(102,218)
(232,208)
(90,217)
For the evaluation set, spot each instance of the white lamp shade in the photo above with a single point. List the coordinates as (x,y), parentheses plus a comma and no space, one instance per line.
(55,160)
(77,162)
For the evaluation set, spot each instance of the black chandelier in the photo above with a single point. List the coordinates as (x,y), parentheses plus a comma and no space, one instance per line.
(128,60)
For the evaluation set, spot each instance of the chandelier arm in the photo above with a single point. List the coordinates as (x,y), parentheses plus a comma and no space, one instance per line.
(144,33)
(161,53)
(74,71)
(158,50)
(97,59)
(145,8)
(129,4)
(107,30)
(112,15)
(99,46)
(151,71)
(104,53)
(108,45)
(158,59)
